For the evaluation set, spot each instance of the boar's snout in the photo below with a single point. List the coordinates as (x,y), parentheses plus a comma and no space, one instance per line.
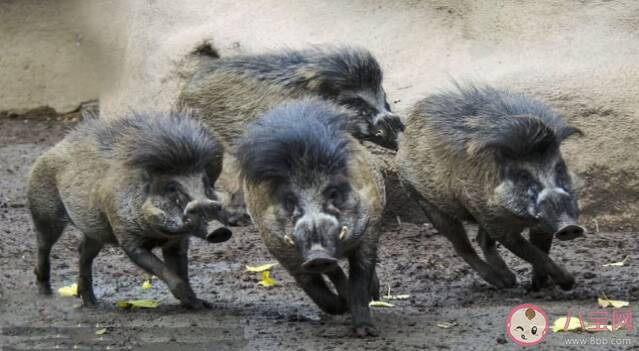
(319,261)
(569,231)
(386,128)
(559,214)
(219,235)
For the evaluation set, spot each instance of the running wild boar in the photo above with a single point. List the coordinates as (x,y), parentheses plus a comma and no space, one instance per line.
(229,93)
(316,198)
(493,157)
(139,182)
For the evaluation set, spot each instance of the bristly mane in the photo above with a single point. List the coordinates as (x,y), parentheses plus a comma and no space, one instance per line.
(472,119)
(296,140)
(320,67)
(160,142)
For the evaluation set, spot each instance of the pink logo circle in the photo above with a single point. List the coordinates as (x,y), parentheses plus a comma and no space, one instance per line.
(527,325)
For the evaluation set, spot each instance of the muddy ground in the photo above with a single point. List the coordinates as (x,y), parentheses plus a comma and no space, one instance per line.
(414,260)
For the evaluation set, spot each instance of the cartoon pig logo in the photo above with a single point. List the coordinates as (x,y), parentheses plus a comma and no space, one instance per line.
(527,325)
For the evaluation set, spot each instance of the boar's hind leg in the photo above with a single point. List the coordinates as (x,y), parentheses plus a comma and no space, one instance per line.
(362,274)
(487,244)
(316,288)
(543,240)
(48,229)
(179,288)
(89,249)
(454,231)
(539,259)
(176,259)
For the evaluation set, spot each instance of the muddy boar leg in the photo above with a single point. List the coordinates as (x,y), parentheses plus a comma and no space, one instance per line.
(89,249)
(48,231)
(153,265)
(176,259)
(489,247)
(543,240)
(454,231)
(361,272)
(539,259)
(340,281)
(375,287)
(316,288)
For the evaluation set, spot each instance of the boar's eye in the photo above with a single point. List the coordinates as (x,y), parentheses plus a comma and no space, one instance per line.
(171,188)
(561,174)
(523,176)
(335,196)
(290,202)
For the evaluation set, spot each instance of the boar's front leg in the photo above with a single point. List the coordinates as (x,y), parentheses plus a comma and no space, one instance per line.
(454,231)
(489,248)
(543,241)
(539,259)
(176,259)
(315,286)
(149,262)
(89,249)
(361,276)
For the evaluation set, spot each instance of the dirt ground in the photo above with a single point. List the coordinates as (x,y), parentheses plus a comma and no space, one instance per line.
(414,260)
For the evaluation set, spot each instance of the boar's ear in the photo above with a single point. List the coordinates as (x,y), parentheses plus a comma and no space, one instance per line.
(315,81)
(566,132)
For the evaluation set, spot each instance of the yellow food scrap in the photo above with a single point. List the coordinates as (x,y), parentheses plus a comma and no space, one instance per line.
(267,281)
(380,304)
(67,291)
(101,331)
(261,268)
(574,325)
(617,264)
(446,325)
(147,284)
(605,302)
(126,304)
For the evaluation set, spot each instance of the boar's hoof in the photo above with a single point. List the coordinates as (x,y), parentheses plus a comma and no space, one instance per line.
(219,235)
(501,280)
(567,283)
(570,232)
(539,281)
(365,330)
(198,304)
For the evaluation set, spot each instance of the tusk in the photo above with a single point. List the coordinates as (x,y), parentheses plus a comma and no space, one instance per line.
(379,133)
(289,240)
(343,233)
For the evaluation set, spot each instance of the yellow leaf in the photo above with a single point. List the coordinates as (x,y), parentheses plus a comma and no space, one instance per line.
(380,304)
(560,325)
(71,290)
(446,325)
(267,281)
(617,264)
(261,268)
(147,284)
(126,304)
(101,331)
(605,302)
